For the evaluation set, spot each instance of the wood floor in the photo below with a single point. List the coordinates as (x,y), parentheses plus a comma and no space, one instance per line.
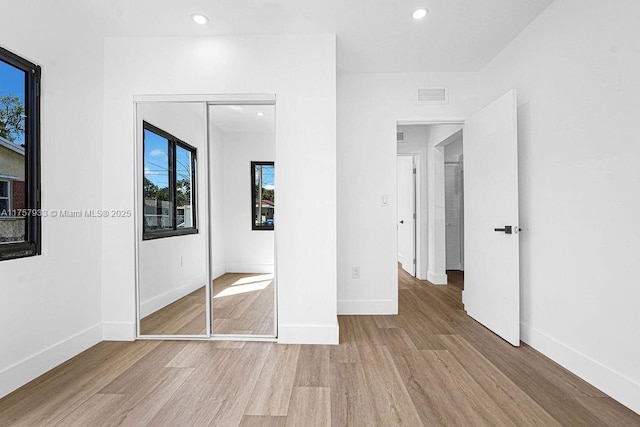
(430,365)
(187,316)
(243,304)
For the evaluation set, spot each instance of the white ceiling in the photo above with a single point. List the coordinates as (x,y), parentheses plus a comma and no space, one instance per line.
(373,35)
(243,118)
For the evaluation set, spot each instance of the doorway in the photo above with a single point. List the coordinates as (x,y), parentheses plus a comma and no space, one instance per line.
(490,242)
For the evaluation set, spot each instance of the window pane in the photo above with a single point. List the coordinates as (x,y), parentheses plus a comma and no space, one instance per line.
(184,176)
(264,195)
(158,206)
(12,153)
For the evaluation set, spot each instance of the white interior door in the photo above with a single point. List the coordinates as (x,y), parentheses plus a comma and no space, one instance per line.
(406,213)
(492,261)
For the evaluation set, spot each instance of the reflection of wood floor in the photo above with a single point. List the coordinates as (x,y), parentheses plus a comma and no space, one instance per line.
(430,365)
(183,317)
(243,304)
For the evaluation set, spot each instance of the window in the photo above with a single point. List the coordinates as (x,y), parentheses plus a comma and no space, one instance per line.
(262,195)
(19,157)
(5,199)
(169,185)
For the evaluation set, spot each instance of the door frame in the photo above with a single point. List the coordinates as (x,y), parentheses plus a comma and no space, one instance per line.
(422,267)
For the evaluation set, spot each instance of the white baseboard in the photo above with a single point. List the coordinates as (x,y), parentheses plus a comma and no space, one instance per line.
(616,385)
(219,271)
(249,268)
(309,334)
(118,331)
(160,301)
(19,374)
(437,279)
(367,307)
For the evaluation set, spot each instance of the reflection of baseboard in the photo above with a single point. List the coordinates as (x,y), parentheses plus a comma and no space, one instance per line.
(218,271)
(437,279)
(17,375)
(156,303)
(249,268)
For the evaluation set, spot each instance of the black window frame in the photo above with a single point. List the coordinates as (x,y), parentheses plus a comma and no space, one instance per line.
(254,196)
(173,143)
(32,244)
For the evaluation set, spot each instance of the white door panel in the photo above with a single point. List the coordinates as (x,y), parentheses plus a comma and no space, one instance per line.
(492,286)
(406,210)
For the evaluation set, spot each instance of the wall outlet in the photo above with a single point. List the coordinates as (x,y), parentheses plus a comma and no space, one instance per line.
(355,272)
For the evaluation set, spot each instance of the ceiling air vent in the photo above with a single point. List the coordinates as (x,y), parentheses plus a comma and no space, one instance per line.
(400,136)
(433,96)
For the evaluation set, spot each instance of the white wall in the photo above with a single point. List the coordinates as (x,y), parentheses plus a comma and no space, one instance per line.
(172,267)
(453,150)
(50,306)
(369,107)
(300,70)
(246,250)
(576,70)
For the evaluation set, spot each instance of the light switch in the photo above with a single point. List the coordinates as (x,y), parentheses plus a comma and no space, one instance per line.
(384,200)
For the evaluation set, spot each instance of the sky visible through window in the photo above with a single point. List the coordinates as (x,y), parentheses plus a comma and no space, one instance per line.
(267,177)
(156,159)
(12,83)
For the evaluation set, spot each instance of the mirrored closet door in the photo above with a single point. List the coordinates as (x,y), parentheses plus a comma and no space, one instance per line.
(243,203)
(172,260)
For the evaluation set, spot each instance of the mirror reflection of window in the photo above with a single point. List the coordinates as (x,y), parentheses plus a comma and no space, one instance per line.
(169,196)
(263,195)
(184,178)
(158,209)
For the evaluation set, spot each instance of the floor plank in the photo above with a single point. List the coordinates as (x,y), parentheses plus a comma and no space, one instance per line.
(273,389)
(310,406)
(351,403)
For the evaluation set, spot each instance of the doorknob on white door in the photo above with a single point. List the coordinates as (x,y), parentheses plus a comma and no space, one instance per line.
(402,221)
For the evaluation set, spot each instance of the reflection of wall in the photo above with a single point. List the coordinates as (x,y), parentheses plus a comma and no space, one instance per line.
(246,250)
(173,267)
(216,175)
(236,247)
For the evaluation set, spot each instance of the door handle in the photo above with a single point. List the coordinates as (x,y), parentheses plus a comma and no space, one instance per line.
(402,221)
(506,230)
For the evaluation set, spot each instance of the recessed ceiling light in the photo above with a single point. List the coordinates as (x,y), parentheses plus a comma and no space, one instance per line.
(260,114)
(199,18)
(420,13)
(236,108)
